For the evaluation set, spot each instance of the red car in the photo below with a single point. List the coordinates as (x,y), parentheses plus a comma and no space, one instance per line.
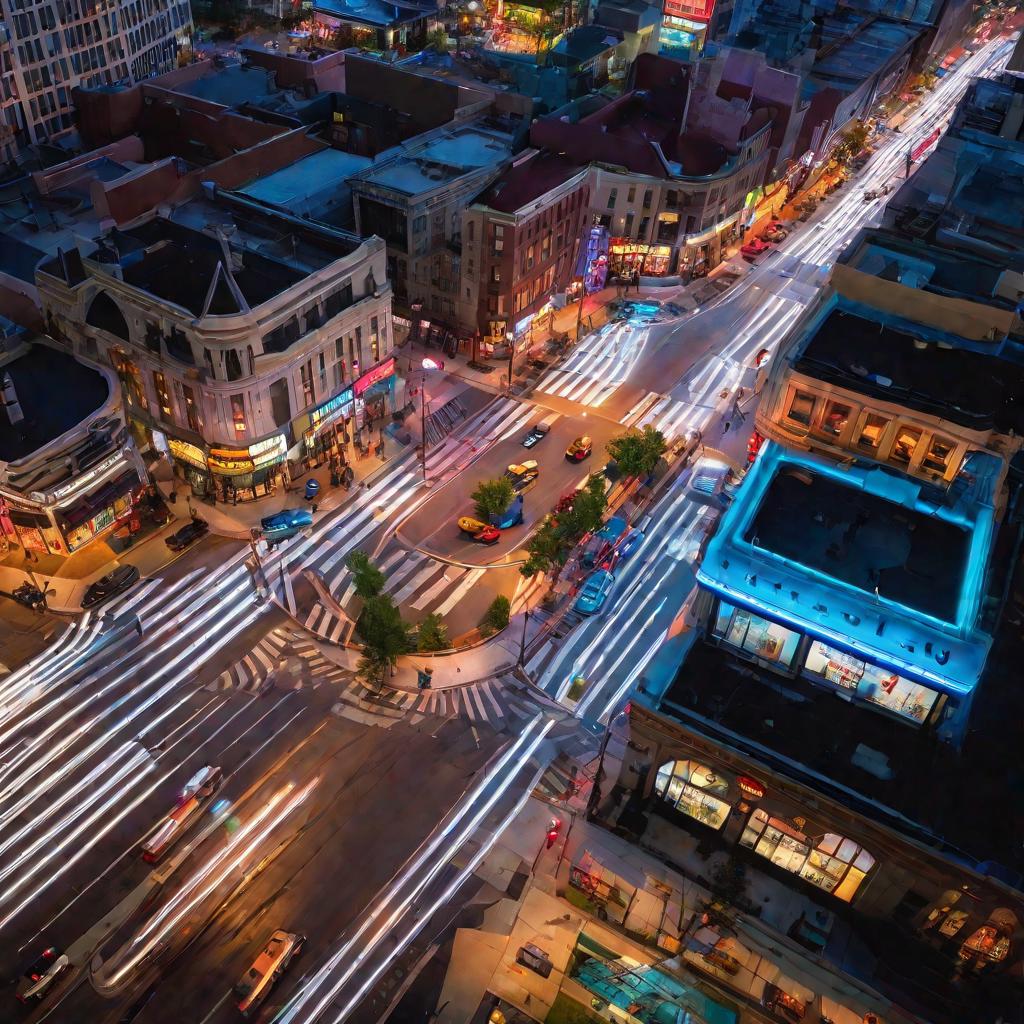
(755,247)
(775,232)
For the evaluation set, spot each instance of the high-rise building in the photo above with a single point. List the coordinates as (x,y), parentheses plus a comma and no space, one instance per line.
(50,47)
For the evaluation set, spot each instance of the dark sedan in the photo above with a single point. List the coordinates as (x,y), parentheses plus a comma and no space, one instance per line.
(116,582)
(188,534)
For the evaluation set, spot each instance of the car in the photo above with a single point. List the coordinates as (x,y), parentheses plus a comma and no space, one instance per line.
(870,194)
(483,533)
(274,959)
(775,232)
(286,523)
(580,449)
(539,431)
(595,592)
(523,474)
(535,958)
(188,534)
(106,587)
(41,974)
(755,247)
(628,547)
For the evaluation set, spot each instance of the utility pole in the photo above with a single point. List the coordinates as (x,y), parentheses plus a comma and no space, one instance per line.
(522,641)
(423,428)
(579,311)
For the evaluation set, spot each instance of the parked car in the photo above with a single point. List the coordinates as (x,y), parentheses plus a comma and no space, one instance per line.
(776,232)
(286,523)
(580,449)
(523,474)
(595,592)
(483,533)
(628,547)
(512,516)
(755,247)
(188,534)
(535,958)
(41,974)
(116,582)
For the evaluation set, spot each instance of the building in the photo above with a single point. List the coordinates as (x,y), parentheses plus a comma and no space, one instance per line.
(415,198)
(669,180)
(519,247)
(50,49)
(243,337)
(373,25)
(69,471)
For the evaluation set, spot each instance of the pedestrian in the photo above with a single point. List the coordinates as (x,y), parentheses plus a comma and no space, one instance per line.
(725,427)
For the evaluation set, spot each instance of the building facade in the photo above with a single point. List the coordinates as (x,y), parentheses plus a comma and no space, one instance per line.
(50,48)
(235,355)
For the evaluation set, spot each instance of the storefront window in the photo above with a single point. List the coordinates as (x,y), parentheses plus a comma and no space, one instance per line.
(691,788)
(801,407)
(833,863)
(163,396)
(764,639)
(627,257)
(871,683)
(238,413)
(905,444)
(834,421)
(940,451)
(871,433)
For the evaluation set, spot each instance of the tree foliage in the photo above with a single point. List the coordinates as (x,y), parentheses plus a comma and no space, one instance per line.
(373,668)
(368,579)
(383,631)
(492,497)
(497,615)
(437,39)
(851,142)
(549,548)
(637,452)
(432,634)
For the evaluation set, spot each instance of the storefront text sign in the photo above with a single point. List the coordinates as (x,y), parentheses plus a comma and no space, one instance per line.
(754,789)
(185,452)
(268,451)
(330,410)
(378,373)
(230,463)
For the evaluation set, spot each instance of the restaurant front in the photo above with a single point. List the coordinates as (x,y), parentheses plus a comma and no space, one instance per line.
(627,257)
(230,474)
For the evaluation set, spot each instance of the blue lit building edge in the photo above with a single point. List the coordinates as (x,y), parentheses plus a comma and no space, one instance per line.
(948,657)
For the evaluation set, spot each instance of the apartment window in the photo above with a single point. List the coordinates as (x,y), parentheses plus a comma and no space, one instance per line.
(905,444)
(939,454)
(419,224)
(835,420)
(645,223)
(672,199)
(632,195)
(374,340)
(530,253)
(545,247)
(469,231)
(871,433)
(801,408)
(238,413)
(339,374)
(613,197)
(647,199)
(195,424)
(232,364)
(322,359)
(163,396)
(306,375)
(629,225)
(280,403)
(495,273)
(499,238)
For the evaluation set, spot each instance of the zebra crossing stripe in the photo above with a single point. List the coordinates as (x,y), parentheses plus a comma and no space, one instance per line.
(487,692)
(263,658)
(335,635)
(439,586)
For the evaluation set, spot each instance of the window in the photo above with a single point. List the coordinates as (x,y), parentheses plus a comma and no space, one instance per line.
(232,364)
(306,375)
(940,451)
(645,223)
(905,444)
(545,247)
(613,197)
(632,195)
(762,638)
(195,424)
(374,340)
(495,273)
(322,367)
(469,231)
(419,224)
(690,787)
(163,397)
(871,433)
(499,238)
(238,413)
(834,420)
(671,199)
(629,225)
(280,404)
(647,199)
(801,407)
(530,253)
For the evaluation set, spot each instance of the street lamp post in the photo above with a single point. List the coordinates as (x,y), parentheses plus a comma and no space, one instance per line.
(579,311)
(428,364)
(511,339)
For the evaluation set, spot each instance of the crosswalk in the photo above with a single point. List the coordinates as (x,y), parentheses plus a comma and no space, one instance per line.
(285,659)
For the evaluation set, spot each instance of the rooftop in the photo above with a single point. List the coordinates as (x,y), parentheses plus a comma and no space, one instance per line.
(306,187)
(527,181)
(586,42)
(865,559)
(230,85)
(918,367)
(856,48)
(376,13)
(441,159)
(37,375)
(992,109)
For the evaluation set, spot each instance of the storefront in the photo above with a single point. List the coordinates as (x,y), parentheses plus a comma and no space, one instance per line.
(328,431)
(374,393)
(702,253)
(626,257)
(828,861)
(191,461)
(792,653)
(248,473)
(95,512)
(694,790)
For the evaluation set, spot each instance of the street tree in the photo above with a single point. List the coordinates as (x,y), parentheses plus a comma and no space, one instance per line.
(496,617)
(586,512)
(851,142)
(373,668)
(547,550)
(437,39)
(368,579)
(432,634)
(383,631)
(637,452)
(492,497)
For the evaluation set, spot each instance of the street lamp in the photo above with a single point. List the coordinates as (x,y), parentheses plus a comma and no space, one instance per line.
(511,339)
(428,364)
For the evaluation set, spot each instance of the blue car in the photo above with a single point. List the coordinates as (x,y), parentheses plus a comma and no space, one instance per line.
(595,592)
(630,544)
(286,524)
(512,516)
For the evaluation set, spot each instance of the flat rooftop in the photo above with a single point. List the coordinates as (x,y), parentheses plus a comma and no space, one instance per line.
(916,263)
(974,389)
(299,187)
(993,107)
(863,558)
(859,50)
(55,393)
(230,85)
(448,156)
(375,13)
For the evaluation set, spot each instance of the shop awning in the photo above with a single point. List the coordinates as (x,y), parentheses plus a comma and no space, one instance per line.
(87,507)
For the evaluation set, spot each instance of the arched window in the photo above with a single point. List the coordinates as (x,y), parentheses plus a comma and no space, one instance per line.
(695,790)
(105,314)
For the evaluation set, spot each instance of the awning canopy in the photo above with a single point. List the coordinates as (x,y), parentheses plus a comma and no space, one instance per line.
(90,504)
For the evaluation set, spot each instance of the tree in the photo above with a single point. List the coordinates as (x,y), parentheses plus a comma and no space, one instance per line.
(372,668)
(586,512)
(368,579)
(432,634)
(496,617)
(637,452)
(492,497)
(547,550)
(437,39)
(851,142)
(384,633)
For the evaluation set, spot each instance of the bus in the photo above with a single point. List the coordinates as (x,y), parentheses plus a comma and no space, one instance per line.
(197,791)
(275,957)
